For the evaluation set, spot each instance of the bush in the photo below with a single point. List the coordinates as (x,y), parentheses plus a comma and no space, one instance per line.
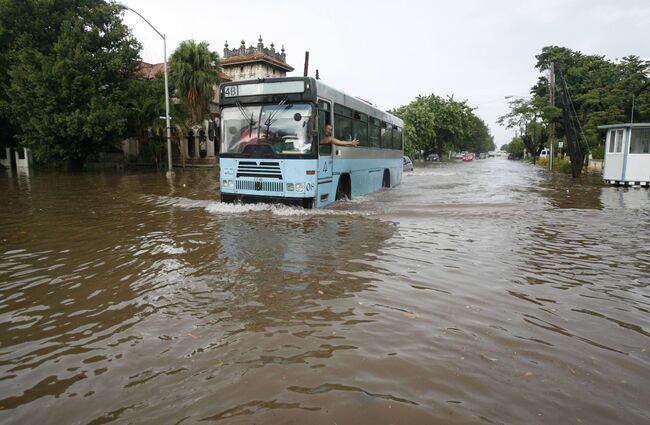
(563,165)
(598,152)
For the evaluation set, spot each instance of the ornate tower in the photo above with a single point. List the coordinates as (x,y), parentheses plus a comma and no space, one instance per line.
(247,63)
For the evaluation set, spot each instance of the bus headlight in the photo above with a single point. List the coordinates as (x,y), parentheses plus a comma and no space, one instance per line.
(228,184)
(295,187)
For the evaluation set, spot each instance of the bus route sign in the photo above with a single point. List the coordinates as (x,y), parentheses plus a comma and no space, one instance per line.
(256,89)
(230,91)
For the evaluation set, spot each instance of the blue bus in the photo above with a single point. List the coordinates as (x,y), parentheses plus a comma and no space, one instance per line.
(271,131)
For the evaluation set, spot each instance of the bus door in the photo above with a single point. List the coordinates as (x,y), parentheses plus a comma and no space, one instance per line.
(325,192)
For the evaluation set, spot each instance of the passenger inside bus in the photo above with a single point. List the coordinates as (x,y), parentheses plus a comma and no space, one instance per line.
(329,139)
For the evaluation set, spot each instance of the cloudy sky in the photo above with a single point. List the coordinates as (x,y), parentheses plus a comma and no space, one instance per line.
(390,52)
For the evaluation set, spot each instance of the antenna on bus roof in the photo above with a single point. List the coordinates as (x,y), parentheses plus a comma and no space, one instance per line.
(317,75)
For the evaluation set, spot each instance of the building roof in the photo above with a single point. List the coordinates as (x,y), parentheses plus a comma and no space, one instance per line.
(255,57)
(632,125)
(150,70)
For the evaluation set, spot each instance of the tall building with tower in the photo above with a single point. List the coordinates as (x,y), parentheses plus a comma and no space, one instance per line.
(249,63)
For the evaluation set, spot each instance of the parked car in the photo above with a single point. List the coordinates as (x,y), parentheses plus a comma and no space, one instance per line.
(432,157)
(408,164)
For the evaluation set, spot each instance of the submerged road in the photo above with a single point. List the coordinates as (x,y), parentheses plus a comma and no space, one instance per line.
(484,292)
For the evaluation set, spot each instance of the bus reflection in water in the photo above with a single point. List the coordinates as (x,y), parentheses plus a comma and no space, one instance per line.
(252,255)
(271,151)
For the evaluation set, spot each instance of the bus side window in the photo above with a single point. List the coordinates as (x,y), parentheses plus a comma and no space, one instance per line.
(323,120)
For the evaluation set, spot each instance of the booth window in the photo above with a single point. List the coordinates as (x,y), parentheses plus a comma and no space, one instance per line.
(640,140)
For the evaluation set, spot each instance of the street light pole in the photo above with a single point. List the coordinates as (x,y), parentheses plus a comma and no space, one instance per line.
(170,172)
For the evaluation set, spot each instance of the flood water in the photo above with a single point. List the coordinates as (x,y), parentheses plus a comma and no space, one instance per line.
(484,292)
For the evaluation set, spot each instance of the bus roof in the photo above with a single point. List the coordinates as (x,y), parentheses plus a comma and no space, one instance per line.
(326,92)
(337,96)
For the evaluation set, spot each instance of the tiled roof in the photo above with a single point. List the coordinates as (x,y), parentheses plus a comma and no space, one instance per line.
(150,70)
(255,57)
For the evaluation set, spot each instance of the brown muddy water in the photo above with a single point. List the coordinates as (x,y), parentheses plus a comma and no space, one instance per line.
(485,292)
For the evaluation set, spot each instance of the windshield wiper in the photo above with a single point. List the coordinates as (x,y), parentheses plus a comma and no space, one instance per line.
(272,116)
(251,120)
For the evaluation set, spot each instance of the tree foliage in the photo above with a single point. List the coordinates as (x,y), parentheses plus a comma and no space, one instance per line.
(146,121)
(436,124)
(194,71)
(515,147)
(590,91)
(69,65)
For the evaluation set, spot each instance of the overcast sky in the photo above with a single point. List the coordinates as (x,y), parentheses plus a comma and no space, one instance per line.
(390,52)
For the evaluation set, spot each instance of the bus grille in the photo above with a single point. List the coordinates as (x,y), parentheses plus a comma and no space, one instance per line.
(259,186)
(270,170)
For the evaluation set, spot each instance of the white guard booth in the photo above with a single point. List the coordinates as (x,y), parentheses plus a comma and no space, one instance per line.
(627,154)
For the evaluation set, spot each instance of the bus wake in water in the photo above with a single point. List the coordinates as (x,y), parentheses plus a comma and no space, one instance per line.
(279,210)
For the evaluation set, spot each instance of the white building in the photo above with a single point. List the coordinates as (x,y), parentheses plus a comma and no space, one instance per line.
(249,63)
(627,154)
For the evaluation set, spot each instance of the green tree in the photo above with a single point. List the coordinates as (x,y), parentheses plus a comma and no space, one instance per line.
(525,116)
(590,91)
(515,147)
(419,126)
(449,122)
(194,72)
(477,137)
(30,24)
(146,107)
(69,79)
(436,124)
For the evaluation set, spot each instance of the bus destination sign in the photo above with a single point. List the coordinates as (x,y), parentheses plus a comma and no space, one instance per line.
(280,87)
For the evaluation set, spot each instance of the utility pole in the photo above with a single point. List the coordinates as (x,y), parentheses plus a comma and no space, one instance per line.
(552,125)
(306,64)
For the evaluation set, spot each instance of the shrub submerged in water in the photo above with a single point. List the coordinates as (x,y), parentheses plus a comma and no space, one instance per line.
(560,164)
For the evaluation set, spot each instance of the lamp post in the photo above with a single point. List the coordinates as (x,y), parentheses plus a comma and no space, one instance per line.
(170,172)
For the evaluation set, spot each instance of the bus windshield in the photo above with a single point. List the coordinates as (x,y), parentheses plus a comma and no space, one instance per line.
(282,127)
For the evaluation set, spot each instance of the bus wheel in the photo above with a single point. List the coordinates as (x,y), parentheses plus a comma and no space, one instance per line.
(308,203)
(386,181)
(344,189)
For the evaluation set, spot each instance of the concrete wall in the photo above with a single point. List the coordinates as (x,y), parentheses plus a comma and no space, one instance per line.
(26,160)
(595,165)
(252,71)
(131,149)
(6,160)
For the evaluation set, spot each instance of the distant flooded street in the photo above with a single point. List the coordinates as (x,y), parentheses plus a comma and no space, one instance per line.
(484,292)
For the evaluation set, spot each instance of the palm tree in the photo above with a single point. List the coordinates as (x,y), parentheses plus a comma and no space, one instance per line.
(194,73)
(147,107)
